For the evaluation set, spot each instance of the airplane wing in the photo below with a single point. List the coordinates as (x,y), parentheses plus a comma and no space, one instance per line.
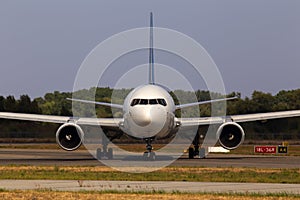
(203,102)
(238,118)
(110,122)
(98,103)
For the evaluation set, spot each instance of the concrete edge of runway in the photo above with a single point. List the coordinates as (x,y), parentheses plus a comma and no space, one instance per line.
(150,186)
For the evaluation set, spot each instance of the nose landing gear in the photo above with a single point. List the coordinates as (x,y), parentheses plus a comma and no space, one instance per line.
(149,155)
(106,153)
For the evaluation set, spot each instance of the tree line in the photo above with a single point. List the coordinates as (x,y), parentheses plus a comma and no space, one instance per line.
(56,104)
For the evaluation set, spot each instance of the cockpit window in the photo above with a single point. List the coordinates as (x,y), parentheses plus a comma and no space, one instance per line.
(148,101)
(162,102)
(135,102)
(153,101)
(144,101)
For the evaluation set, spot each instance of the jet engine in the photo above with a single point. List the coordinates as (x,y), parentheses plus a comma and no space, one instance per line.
(231,135)
(69,136)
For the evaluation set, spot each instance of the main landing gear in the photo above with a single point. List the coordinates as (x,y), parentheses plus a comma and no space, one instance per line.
(105,153)
(149,155)
(194,151)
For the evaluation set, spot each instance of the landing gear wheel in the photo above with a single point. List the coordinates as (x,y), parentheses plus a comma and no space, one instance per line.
(104,154)
(191,153)
(194,151)
(110,153)
(149,156)
(99,154)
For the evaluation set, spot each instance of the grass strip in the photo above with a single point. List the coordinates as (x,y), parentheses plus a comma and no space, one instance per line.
(199,174)
(116,195)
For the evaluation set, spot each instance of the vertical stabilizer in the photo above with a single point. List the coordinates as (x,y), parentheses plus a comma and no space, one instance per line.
(151,56)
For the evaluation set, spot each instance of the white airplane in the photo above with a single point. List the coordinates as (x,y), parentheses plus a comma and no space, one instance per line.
(149,113)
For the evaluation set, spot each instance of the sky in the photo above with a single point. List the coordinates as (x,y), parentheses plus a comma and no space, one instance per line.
(255,44)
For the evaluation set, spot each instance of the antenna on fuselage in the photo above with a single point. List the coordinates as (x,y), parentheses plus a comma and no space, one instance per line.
(151,54)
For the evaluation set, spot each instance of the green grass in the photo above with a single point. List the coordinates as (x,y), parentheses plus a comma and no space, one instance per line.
(167,174)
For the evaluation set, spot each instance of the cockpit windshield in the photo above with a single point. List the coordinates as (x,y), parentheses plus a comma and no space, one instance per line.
(148,102)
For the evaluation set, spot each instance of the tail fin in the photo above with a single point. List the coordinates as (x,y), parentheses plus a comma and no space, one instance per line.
(151,55)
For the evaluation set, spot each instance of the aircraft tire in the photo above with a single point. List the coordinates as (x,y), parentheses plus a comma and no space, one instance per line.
(99,153)
(110,154)
(191,153)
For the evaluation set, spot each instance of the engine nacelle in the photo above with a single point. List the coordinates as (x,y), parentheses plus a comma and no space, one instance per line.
(231,135)
(69,136)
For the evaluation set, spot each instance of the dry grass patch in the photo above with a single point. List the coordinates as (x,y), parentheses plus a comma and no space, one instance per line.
(51,195)
(197,170)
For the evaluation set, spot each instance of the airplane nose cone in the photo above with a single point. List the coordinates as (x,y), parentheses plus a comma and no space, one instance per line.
(141,117)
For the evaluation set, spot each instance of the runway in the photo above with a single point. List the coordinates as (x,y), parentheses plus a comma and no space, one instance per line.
(83,158)
(138,186)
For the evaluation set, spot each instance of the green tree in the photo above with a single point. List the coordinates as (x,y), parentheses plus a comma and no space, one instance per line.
(10,104)
(262,102)
(24,104)
(2,100)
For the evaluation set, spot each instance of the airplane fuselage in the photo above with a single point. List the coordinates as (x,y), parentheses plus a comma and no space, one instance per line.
(149,111)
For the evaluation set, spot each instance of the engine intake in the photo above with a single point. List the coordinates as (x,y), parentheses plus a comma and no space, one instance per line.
(231,135)
(69,136)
